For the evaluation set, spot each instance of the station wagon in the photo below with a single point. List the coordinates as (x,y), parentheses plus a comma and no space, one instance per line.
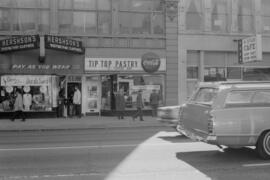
(232,114)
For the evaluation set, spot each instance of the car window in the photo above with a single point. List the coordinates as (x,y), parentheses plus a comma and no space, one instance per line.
(205,95)
(239,97)
(262,96)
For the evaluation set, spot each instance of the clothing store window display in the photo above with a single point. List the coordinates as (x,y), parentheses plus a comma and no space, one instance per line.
(27,98)
(77,101)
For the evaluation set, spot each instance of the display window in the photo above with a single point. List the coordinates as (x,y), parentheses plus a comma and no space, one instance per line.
(131,84)
(36,92)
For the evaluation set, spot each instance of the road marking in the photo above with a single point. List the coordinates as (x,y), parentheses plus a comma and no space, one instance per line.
(82,147)
(54,176)
(254,165)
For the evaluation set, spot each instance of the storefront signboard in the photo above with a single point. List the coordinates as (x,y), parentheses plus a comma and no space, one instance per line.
(124,64)
(19,43)
(41,66)
(25,80)
(252,49)
(63,44)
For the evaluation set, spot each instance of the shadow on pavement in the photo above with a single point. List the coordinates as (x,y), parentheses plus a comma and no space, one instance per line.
(229,164)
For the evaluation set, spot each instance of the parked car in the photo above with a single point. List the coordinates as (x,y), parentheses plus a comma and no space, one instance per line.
(168,115)
(232,114)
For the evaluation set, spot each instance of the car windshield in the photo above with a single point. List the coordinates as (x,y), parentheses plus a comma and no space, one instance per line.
(205,96)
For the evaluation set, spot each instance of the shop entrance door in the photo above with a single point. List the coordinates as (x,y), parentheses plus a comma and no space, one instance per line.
(70,93)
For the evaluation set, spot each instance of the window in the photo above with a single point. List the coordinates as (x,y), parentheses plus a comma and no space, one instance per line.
(24,20)
(44,22)
(104,22)
(194,15)
(262,97)
(4,19)
(140,23)
(245,16)
(205,96)
(158,23)
(219,15)
(65,21)
(259,74)
(265,4)
(234,73)
(239,97)
(84,22)
(192,72)
(84,4)
(104,4)
(214,74)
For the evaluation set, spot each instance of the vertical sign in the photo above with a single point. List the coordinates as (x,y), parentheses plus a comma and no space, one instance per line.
(240,52)
(252,49)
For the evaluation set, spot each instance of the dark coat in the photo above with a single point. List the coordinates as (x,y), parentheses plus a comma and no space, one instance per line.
(119,102)
(154,99)
(139,101)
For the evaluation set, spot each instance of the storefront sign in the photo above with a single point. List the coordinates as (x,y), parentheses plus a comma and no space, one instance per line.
(19,43)
(25,80)
(252,49)
(121,64)
(64,44)
(150,62)
(40,67)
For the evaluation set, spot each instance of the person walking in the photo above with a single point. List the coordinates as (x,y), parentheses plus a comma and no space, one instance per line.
(154,100)
(120,104)
(77,101)
(18,107)
(139,104)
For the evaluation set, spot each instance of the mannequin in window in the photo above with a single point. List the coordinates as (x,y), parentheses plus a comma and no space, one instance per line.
(27,101)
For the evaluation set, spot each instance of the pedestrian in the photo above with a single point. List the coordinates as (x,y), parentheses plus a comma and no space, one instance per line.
(18,107)
(120,104)
(154,100)
(77,101)
(139,105)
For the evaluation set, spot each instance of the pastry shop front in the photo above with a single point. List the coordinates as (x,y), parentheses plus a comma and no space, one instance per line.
(145,73)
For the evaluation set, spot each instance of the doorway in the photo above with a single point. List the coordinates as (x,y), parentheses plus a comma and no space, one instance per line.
(70,93)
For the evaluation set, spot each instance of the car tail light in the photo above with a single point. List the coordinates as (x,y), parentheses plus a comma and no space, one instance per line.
(210,123)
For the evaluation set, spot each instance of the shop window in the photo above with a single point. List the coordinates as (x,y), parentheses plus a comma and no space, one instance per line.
(36,92)
(124,22)
(259,74)
(214,74)
(233,72)
(194,15)
(192,72)
(131,84)
(219,15)
(65,4)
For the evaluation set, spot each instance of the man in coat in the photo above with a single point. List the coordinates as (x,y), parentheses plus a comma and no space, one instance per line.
(18,107)
(139,104)
(77,101)
(120,104)
(154,100)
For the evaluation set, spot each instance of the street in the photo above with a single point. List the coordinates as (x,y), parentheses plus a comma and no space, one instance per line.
(145,153)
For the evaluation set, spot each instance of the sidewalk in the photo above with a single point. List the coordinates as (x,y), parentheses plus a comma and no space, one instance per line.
(86,122)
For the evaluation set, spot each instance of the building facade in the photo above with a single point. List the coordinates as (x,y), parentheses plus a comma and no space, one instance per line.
(127,44)
(208,35)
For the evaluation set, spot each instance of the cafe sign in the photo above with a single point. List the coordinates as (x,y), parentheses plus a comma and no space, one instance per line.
(124,64)
(25,80)
(250,49)
(63,44)
(19,43)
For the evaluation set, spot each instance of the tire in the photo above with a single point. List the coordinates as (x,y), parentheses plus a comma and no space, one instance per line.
(263,145)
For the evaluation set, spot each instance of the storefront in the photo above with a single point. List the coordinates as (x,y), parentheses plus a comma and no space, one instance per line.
(106,76)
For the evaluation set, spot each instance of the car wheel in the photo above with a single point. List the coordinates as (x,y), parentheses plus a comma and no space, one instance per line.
(263,145)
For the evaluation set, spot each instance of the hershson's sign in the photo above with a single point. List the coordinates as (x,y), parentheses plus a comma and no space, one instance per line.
(120,64)
(64,44)
(19,43)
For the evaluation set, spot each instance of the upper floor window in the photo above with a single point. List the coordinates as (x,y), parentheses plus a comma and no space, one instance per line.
(265,4)
(245,16)
(219,15)
(194,15)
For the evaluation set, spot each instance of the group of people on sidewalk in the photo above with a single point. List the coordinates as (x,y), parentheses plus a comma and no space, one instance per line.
(120,104)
